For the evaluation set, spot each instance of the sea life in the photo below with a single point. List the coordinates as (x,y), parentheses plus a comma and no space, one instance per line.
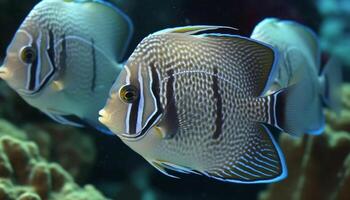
(64,58)
(199,102)
(334,29)
(307,157)
(24,175)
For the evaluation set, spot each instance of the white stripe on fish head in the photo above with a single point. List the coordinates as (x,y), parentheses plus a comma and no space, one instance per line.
(36,65)
(141,102)
(127,119)
(155,101)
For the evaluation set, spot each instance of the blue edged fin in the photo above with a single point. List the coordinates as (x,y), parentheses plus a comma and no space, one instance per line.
(254,63)
(115,36)
(163,166)
(64,120)
(127,20)
(261,162)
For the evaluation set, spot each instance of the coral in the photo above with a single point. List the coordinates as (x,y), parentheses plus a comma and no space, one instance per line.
(57,141)
(25,175)
(319,166)
(342,122)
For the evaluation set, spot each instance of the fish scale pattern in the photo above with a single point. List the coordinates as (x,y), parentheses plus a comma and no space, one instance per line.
(192,68)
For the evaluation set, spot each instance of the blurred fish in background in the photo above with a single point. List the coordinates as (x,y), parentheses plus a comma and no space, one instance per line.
(64,58)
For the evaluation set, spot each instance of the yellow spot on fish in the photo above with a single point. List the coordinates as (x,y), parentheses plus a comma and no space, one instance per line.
(5,73)
(158,131)
(57,86)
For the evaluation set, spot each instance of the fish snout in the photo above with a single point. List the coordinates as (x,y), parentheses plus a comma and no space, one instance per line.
(3,72)
(104,117)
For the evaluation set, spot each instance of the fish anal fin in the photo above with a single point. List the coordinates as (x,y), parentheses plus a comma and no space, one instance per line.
(262,162)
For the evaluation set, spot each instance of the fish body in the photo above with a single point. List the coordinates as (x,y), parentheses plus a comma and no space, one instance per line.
(200,103)
(65,56)
(297,45)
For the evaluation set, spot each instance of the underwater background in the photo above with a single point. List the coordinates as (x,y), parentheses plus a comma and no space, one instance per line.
(92,165)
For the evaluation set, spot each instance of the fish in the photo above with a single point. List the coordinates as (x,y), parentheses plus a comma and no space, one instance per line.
(299,46)
(196,100)
(65,57)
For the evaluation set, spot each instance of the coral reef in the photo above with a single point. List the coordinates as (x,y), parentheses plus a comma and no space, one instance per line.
(25,175)
(335,28)
(57,141)
(319,166)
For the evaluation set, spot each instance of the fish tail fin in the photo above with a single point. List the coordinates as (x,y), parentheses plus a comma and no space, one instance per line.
(330,81)
(297,109)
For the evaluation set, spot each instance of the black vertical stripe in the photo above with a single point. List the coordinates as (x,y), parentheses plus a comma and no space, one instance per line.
(217,96)
(170,122)
(51,50)
(134,105)
(33,69)
(52,54)
(279,109)
(155,87)
(94,66)
(270,109)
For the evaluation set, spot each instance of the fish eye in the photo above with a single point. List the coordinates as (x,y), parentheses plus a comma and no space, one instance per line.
(128,93)
(28,54)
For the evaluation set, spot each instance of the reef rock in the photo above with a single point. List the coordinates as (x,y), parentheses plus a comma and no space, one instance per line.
(25,175)
(319,166)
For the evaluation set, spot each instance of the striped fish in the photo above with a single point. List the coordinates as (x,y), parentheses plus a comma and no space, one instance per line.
(196,102)
(64,58)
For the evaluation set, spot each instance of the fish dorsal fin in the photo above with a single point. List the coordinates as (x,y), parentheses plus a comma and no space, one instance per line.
(249,65)
(192,30)
(108,25)
(285,34)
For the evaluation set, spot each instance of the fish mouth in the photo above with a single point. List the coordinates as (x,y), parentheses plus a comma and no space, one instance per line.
(2,72)
(104,117)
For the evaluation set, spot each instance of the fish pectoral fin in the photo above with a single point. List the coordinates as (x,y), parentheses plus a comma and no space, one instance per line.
(64,120)
(192,30)
(261,162)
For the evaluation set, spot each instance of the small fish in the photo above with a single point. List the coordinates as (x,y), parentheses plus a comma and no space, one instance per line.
(197,102)
(65,57)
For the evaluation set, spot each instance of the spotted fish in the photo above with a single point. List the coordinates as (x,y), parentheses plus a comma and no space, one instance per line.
(191,101)
(65,57)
